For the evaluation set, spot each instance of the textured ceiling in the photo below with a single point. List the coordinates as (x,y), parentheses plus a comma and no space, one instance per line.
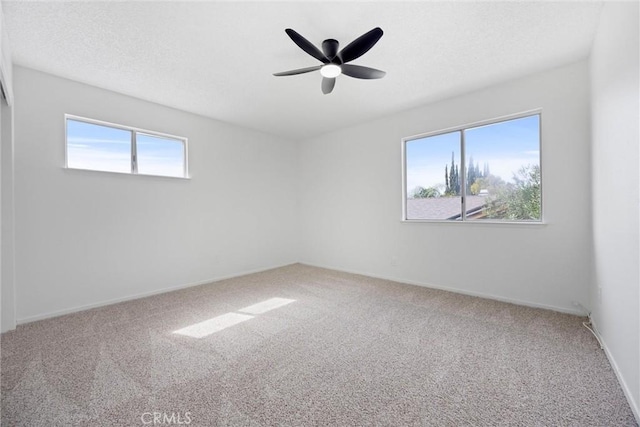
(217,58)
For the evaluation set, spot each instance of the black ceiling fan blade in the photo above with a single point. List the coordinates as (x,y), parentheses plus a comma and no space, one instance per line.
(328,84)
(361,45)
(298,71)
(360,72)
(306,45)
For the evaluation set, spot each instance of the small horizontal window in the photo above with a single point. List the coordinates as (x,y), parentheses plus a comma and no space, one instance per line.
(100,146)
(489,172)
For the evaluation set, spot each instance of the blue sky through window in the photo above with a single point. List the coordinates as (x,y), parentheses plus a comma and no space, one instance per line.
(96,147)
(91,146)
(505,147)
(160,156)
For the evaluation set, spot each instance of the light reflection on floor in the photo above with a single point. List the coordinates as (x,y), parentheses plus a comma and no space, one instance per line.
(267,305)
(218,323)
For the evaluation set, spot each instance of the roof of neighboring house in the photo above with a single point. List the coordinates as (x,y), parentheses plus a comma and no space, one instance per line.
(442,207)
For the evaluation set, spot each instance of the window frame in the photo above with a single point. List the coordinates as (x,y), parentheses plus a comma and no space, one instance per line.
(134,131)
(463,175)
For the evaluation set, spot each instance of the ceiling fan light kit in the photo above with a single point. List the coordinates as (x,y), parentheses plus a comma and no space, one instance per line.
(330,70)
(335,62)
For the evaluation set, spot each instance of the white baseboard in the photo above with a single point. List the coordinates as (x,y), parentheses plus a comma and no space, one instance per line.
(48,315)
(140,295)
(574,311)
(623,383)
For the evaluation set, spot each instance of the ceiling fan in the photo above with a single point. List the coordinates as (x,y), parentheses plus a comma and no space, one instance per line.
(334,62)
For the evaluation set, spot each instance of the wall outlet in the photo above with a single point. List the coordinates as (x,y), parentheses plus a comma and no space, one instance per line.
(394,261)
(600,294)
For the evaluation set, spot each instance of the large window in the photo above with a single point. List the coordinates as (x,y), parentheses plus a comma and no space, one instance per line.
(487,172)
(95,145)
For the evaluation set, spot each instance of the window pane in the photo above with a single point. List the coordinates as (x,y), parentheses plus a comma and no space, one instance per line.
(503,170)
(433,184)
(160,156)
(95,147)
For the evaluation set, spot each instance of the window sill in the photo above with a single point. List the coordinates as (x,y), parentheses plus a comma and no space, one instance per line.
(476,222)
(185,178)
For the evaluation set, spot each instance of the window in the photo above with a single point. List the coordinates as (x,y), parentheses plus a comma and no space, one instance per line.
(106,147)
(500,180)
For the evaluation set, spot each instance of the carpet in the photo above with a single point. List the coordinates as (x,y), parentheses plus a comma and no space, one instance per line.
(304,346)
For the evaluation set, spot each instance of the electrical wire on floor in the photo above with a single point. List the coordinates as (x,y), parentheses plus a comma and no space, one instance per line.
(589,326)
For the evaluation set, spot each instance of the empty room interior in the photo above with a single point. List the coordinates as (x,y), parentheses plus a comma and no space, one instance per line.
(320,213)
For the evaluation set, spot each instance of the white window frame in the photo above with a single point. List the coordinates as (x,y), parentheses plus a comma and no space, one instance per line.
(134,132)
(461,129)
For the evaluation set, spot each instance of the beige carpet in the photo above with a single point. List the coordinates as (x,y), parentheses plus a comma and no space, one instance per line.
(303,346)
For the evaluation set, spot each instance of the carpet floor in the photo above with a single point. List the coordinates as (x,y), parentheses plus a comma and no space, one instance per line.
(304,346)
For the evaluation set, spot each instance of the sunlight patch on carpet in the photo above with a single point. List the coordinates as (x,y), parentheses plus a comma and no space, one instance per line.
(213,325)
(224,321)
(266,305)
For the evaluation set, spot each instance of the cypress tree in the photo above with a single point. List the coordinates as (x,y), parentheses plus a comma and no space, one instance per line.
(471,175)
(446,181)
(457,182)
(452,175)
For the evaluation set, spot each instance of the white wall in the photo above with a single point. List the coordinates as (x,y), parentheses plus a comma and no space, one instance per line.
(615,114)
(84,238)
(7,318)
(7,303)
(1,220)
(351,201)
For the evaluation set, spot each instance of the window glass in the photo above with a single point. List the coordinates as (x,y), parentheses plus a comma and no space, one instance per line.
(500,179)
(433,177)
(503,167)
(105,147)
(91,146)
(159,156)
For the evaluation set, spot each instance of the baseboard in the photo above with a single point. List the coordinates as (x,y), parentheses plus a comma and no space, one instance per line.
(51,314)
(621,381)
(574,311)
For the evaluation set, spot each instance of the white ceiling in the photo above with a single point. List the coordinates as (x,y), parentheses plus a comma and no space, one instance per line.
(217,58)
